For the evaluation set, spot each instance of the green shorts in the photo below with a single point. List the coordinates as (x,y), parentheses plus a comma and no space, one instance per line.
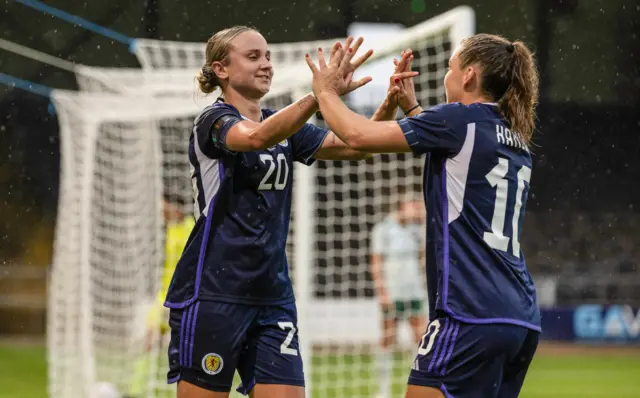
(403,309)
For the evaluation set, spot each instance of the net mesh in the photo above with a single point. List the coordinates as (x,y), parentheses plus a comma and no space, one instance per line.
(162,54)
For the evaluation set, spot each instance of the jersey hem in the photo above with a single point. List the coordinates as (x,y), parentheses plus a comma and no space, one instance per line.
(486,321)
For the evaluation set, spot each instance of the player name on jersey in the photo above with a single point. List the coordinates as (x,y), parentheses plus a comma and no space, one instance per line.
(507,137)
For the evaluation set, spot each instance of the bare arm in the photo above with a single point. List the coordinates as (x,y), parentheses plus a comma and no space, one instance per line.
(333,148)
(248,136)
(376,275)
(357,131)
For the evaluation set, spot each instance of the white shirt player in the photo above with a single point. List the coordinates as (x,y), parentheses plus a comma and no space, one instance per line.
(400,247)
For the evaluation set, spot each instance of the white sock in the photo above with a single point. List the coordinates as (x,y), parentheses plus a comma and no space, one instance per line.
(385,368)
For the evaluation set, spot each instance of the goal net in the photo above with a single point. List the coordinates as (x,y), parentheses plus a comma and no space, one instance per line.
(164,54)
(121,166)
(124,157)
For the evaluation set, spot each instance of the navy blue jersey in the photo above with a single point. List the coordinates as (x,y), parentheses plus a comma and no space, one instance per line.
(476,183)
(236,252)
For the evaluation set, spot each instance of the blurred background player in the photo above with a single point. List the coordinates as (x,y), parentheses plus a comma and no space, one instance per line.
(397,268)
(178,227)
(485,319)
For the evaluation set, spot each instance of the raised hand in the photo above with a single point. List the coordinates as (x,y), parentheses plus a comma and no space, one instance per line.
(350,67)
(337,75)
(397,91)
(401,85)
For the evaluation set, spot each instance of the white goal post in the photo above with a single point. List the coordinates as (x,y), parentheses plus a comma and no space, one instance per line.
(123,145)
(163,54)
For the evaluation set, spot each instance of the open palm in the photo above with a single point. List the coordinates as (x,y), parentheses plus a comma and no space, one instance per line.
(337,75)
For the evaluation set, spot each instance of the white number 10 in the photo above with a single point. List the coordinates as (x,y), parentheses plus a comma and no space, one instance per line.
(496,178)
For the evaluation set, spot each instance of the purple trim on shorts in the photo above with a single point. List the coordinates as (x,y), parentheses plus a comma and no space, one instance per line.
(193,333)
(453,346)
(245,391)
(176,306)
(173,380)
(183,322)
(185,342)
(446,348)
(439,344)
(203,248)
(445,392)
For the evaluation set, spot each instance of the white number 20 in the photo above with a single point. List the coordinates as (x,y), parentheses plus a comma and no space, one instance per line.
(282,173)
(284,347)
(496,178)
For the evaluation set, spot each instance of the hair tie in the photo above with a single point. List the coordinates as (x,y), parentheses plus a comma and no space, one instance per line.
(510,47)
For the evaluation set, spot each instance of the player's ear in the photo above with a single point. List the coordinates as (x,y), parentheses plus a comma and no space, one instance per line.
(470,78)
(219,69)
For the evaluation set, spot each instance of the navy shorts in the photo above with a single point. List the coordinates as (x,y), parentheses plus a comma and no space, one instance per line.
(210,340)
(466,360)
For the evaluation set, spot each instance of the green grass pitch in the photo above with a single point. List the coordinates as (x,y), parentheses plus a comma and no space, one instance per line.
(555,372)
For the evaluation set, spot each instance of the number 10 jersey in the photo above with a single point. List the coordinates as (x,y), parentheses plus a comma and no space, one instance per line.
(476,183)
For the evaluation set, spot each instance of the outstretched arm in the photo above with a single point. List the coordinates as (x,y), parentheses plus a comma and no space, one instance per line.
(333,148)
(357,131)
(443,128)
(247,135)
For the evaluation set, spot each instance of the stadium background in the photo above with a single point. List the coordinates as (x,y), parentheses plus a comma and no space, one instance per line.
(581,235)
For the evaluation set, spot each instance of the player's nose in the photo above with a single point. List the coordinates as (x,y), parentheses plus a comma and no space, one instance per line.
(267,70)
(267,66)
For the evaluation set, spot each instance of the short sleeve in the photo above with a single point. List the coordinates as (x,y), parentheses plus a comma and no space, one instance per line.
(211,128)
(377,239)
(306,143)
(441,128)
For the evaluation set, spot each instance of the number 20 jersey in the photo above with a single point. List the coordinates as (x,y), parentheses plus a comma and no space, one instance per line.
(237,250)
(476,183)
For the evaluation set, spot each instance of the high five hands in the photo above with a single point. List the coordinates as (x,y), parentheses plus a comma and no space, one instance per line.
(336,76)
